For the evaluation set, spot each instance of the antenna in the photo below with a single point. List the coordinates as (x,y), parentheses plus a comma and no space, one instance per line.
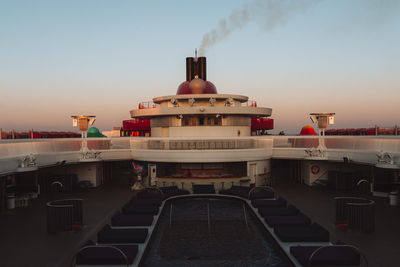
(195,54)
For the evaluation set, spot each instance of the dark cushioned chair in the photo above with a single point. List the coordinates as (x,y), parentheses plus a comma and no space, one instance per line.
(145,202)
(278,211)
(150,193)
(170,191)
(132,209)
(299,219)
(235,190)
(117,236)
(259,203)
(262,194)
(106,255)
(304,233)
(327,256)
(132,219)
(203,189)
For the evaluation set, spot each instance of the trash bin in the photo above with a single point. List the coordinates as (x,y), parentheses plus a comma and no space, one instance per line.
(11,202)
(394,198)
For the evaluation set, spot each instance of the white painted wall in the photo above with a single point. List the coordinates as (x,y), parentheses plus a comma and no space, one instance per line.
(306,174)
(88,171)
(263,169)
(209,131)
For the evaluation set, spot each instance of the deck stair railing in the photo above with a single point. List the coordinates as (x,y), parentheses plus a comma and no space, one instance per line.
(260,189)
(356,213)
(63,215)
(100,248)
(313,259)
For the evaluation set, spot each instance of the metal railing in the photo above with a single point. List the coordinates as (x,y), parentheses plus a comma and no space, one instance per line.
(313,260)
(363,149)
(200,144)
(79,257)
(37,146)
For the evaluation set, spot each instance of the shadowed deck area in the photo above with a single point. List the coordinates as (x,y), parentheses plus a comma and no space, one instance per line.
(381,247)
(24,239)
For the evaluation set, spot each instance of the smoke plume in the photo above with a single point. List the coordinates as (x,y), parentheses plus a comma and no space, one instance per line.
(271,12)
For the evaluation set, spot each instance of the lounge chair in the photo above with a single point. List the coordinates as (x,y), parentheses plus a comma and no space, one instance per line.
(278,211)
(299,219)
(150,192)
(133,209)
(145,202)
(203,189)
(170,191)
(91,254)
(261,192)
(235,190)
(107,235)
(132,219)
(336,255)
(264,203)
(302,233)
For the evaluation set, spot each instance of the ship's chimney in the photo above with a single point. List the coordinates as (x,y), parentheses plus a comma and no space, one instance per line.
(196,67)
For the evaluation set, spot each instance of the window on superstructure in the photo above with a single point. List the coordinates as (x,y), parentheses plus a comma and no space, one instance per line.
(201,121)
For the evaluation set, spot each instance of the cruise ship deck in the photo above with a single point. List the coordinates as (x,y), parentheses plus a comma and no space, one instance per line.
(25,241)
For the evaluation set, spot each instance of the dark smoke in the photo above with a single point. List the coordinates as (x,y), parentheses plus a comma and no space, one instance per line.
(272,12)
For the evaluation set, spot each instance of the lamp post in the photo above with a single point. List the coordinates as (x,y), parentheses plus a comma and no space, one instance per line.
(83,122)
(323,120)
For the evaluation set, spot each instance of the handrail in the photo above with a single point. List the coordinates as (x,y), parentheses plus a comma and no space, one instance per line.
(73,262)
(309,262)
(261,187)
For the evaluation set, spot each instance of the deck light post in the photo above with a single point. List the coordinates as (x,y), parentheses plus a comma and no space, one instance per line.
(83,122)
(322,120)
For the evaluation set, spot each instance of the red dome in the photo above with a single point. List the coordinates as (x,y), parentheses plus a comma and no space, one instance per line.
(184,88)
(210,88)
(308,130)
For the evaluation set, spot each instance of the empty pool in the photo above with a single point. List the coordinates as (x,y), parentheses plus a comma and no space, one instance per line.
(211,232)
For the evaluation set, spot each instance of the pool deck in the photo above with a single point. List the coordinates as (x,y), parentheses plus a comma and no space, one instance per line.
(25,241)
(381,247)
(24,238)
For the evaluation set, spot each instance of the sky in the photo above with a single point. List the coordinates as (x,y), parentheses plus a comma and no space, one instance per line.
(63,58)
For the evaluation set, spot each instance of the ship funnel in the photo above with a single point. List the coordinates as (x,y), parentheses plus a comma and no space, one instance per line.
(196,66)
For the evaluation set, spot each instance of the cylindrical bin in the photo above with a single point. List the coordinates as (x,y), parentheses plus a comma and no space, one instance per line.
(11,202)
(394,198)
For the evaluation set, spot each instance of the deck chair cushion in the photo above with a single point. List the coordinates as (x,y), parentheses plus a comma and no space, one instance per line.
(132,220)
(106,255)
(302,233)
(121,236)
(278,211)
(132,209)
(299,219)
(259,203)
(329,256)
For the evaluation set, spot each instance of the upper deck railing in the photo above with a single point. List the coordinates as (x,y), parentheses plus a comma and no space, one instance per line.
(363,149)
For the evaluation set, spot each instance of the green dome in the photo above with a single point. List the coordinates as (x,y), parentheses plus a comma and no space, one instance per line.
(94,132)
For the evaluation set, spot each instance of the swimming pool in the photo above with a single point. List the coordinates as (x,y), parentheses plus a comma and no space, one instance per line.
(211,231)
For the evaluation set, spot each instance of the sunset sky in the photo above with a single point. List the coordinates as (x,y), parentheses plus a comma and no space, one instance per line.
(61,58)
